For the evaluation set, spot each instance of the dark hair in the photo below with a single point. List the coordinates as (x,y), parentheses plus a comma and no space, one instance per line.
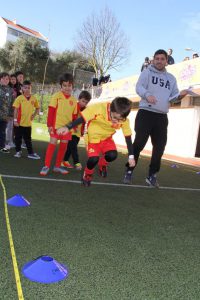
(66,77)
(19,73)
(3,74)
(161,51)
(13,75)
(86,95)
(26,82)
(121,105)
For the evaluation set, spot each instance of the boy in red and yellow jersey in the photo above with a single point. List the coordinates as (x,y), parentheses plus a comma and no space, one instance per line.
(72,147)
(103,121)
(62,107)
(26,107)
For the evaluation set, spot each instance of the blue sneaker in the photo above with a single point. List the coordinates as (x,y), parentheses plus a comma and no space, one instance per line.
(152,181)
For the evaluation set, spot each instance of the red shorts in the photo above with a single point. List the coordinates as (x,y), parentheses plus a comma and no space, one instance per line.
(101,147)
(67,136)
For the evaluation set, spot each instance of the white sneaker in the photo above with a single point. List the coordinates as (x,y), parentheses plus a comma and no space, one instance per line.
(34,156)
(18,154)
(7,147)
(23,146)
(11,145)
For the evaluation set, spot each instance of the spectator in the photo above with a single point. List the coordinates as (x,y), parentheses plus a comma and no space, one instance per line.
(145,64)
(26,107)
(20,78)
(6,110)
(195,55)
(9,129)
(170,59)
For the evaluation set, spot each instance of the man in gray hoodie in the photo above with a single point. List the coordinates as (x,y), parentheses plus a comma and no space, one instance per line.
(157,88)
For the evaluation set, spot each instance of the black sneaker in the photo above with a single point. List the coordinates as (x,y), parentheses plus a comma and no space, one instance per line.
(4,150)
(103,172)
(86,179)
(128,177)
(152,181)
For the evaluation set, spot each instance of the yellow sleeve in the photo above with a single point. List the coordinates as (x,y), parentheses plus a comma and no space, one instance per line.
(16,103)
(91,112)
(126,128)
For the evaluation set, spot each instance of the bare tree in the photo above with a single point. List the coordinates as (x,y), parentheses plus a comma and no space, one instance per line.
(101,40)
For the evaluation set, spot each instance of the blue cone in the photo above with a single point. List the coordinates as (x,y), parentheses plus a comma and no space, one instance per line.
(18,200)
(45,269)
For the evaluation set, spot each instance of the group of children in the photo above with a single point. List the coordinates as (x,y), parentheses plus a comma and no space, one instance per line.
(67,120)
(16,113)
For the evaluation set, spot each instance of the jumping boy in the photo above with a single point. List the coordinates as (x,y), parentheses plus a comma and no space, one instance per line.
(72,147)
(103,121)
(61,110)
(26,107)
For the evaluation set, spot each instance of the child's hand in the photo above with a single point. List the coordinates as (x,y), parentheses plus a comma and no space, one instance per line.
(131,162)
(16,124)
(62,130)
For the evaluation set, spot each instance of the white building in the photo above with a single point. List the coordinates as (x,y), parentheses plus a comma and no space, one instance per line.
(11,31)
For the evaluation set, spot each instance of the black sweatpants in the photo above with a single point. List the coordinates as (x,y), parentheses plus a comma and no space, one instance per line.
(154,125)
(72,149)
(25,133)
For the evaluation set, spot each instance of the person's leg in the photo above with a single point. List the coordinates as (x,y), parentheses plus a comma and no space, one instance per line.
(9,133)
(74,149)
(143,125)
(3,125)
(26,134)
(18,138)
(159,140)
(93,152)
(89,170)
(61,152)
(68,151)
(142,133)
(50,151)
(109,153)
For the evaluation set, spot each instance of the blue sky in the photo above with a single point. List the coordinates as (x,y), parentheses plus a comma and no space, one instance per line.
(149,25)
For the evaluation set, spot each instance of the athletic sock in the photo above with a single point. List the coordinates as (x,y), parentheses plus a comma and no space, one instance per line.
(61,152)
(88,171)
(49,154)
(102,162)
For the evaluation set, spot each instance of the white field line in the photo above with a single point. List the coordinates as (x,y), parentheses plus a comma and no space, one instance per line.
(103,183)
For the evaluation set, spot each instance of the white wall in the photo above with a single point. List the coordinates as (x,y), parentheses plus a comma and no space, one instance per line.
(3,32)
(182,132)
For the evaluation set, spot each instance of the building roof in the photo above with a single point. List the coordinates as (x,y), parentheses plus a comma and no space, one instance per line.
(25,29)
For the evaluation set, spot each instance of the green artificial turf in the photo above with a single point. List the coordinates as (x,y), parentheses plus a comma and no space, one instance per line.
(118,242)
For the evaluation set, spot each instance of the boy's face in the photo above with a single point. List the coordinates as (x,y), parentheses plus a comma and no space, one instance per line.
(83,102)
(13,80)
(20,78)
(116,118)
(66,87)
(5,80)
(26,89)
